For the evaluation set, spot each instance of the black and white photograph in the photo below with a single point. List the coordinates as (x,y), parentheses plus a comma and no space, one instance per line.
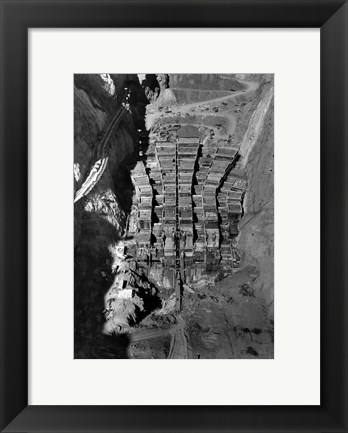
(173,216)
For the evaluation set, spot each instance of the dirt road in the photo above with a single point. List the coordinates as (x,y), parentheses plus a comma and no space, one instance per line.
(178,345)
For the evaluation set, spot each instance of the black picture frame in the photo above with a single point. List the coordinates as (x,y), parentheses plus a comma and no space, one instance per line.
(17,16)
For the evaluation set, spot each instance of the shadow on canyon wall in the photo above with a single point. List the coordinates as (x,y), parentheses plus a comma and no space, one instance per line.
(94,233)
(92,279)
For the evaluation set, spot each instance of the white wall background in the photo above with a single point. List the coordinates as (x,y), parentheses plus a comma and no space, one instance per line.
(293,376)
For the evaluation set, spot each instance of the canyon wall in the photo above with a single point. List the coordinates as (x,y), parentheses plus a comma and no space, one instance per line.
(256,236)
(94,102)
(189,88)
(229,111)
(100,217)
(221,82)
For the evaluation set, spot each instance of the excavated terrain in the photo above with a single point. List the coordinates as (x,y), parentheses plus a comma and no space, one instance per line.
(174,216)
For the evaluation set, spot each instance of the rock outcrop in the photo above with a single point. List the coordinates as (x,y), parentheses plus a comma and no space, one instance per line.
(100,217)
(256,228)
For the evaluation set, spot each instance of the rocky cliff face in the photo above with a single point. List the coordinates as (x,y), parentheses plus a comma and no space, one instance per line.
(100,217)
(189,88)
(95,100)
(256,228)
(222,317)
(205,82)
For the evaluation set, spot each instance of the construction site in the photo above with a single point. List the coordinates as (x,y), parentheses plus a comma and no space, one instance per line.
(187,208)
(174,216)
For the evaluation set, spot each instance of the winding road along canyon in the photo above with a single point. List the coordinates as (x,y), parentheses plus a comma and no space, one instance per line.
(174,216)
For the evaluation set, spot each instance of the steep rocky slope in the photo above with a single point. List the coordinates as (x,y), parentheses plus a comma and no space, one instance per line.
(256,237)
(222,316)
(100,217)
